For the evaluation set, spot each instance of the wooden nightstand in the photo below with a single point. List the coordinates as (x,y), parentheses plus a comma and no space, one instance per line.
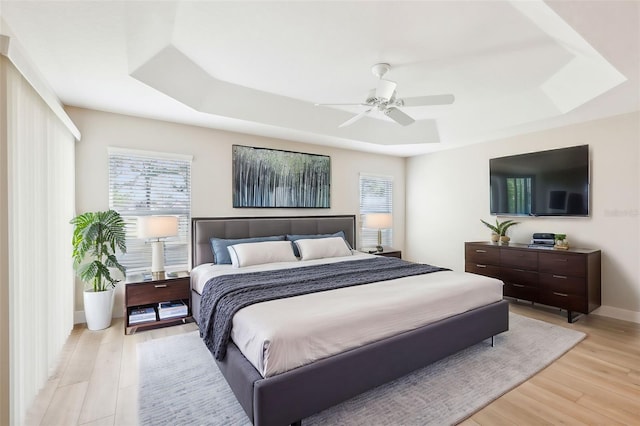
(149,294)
(388,252)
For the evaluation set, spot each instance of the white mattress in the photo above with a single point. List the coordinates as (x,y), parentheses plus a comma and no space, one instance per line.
(279,335)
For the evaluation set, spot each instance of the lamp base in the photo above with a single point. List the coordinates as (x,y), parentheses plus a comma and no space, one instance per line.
(157,260)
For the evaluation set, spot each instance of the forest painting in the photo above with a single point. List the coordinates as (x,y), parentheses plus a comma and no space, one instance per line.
(272,178)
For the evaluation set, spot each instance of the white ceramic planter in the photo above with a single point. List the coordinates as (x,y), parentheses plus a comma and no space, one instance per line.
(98,307)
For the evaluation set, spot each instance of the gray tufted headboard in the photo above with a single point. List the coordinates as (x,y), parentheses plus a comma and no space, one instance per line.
(202,229)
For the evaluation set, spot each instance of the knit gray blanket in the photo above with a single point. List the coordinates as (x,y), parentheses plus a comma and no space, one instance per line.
(225,295)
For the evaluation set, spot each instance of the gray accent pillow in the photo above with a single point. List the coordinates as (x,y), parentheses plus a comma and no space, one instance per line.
(221,253)
(294,237)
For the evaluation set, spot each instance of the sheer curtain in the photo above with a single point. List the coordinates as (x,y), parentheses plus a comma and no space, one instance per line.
(40,195)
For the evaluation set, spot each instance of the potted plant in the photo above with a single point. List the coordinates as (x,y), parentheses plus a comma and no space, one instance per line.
(561,241)
(499,230)
(96,236)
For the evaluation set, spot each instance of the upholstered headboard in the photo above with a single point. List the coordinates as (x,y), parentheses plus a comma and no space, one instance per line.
(202,229)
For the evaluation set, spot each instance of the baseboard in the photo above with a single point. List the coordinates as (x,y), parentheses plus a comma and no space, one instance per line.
(617,313)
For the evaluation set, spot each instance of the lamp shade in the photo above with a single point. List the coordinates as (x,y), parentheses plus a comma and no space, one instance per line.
(157,226)
(378,220)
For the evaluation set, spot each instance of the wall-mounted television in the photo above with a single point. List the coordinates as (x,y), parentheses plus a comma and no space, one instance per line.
(544,183)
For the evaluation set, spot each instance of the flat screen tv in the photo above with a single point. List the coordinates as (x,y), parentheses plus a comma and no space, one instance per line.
(544,183)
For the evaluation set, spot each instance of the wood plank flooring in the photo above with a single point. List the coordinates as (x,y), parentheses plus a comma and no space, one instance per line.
(596,383)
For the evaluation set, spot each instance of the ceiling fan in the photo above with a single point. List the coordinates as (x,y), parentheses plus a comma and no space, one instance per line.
(383,98)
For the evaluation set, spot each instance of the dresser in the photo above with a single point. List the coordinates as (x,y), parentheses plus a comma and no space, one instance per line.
(566,279)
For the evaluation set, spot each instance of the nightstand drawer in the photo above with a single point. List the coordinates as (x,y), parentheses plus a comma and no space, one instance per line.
(157,291)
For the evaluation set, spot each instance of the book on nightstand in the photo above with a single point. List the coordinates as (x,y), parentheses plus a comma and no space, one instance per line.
(172,309)
(144,314)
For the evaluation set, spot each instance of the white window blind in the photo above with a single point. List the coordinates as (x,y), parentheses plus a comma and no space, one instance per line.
(143,184)
(376,196)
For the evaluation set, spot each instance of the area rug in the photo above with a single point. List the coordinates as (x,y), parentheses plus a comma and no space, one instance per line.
(181,384)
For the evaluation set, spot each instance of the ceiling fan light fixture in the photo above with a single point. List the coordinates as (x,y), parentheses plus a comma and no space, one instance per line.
(379,70)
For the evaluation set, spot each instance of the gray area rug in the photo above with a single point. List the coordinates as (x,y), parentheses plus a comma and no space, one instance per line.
(181,384)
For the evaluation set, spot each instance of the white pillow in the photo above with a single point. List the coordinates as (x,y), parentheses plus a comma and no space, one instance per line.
(320,248)
(248,254)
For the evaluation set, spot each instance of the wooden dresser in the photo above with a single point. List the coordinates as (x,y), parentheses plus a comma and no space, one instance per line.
(566,279)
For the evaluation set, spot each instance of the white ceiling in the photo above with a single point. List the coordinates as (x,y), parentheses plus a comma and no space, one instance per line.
(259,67)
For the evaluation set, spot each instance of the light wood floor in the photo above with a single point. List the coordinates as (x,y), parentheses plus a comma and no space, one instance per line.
(597,382)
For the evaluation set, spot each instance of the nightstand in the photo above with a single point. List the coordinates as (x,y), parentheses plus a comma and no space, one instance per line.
(388,252)
(147,294)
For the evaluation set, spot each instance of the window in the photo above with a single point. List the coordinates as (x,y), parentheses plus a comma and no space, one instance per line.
(145,183)
(376,196)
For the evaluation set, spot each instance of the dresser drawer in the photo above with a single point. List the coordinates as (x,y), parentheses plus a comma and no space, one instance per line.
(520,291)
(483,269)
(154,292)
(520,276)
(519,258)
(563,284)
(564,264)
(485,255)
(569,302)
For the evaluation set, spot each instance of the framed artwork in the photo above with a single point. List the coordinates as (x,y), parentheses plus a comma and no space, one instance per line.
(265,177)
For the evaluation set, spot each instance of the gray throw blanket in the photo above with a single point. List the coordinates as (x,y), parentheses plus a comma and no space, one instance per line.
(225,295)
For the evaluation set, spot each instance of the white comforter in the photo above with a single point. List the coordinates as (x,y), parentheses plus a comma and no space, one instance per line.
(280,335)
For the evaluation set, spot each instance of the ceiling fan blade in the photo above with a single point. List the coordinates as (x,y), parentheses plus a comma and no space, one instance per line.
(428,100)
(360,104)
(355,118)
(398,116)
(385,89)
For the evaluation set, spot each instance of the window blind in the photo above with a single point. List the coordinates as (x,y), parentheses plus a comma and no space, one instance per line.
(37,159)
(376,196)
(143,184)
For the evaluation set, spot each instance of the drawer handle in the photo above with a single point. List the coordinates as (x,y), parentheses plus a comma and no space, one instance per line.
(561,277)
(517,285)
(559,260)
(561,294)
(481,266)
(160,286)
(480,251)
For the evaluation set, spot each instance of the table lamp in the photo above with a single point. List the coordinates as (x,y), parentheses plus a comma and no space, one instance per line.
(378,221)
(153,228)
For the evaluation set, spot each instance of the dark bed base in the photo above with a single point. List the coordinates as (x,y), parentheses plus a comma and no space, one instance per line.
(292,396)
(300,393)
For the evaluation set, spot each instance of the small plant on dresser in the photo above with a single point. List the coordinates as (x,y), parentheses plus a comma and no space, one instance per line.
(499,230)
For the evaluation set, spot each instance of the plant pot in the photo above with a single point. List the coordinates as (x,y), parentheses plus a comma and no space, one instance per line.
(98,308)
(495,238)
(504,239)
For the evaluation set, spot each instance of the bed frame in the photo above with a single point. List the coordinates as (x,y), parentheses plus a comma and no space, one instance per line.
(292,396)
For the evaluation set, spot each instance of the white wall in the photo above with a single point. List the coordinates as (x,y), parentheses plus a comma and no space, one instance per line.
(211,169)
(448,194)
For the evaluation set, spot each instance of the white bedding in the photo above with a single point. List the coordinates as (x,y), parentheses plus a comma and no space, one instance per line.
(280,335)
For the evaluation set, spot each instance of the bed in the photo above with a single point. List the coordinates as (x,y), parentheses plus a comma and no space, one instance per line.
(291,396)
